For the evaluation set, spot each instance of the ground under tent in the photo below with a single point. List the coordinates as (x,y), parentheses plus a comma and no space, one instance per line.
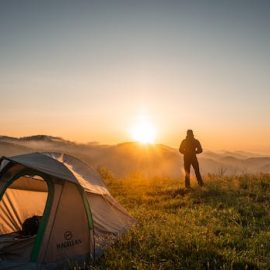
(54,211)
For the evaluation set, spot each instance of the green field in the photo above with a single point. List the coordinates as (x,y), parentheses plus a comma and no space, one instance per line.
(224,225)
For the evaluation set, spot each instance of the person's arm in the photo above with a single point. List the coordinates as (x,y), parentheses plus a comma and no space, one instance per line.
(199,148)
(182,147)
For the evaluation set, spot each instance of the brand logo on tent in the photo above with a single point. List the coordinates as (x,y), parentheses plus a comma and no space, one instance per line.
(69,241)
(68,235)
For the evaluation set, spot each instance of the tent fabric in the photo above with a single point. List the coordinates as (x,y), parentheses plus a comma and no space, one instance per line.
(3,163)
(69,209)
(85,174)
(14,244)
(17,205)
(80,216)
(45,164)
(26,183)
(108,216)
(107,213)
(58,190)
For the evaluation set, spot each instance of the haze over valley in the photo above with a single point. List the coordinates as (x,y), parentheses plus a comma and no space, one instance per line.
(132,158)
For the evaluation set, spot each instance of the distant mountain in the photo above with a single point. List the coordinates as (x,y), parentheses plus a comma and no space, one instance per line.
(132,158)
(44,138)
(150,160)
(34,138)
(8,139)
(10,149)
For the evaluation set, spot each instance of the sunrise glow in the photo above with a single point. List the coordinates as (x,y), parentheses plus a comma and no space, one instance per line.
(143,132)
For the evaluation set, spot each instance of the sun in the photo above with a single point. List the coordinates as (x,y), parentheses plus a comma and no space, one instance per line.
(144,132)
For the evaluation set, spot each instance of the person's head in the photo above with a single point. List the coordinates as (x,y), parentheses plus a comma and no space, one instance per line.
(190,133)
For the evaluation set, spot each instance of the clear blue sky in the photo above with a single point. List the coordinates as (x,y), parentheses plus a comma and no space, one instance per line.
(86,70)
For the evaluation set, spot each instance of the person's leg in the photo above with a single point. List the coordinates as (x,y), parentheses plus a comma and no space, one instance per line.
(187,171)
(195,165)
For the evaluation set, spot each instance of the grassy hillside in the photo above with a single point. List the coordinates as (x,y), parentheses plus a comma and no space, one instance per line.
(225,225)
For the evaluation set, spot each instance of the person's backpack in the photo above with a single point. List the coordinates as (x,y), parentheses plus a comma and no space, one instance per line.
(30,226)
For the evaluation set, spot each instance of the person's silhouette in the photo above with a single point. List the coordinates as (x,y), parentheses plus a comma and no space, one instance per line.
(189,148)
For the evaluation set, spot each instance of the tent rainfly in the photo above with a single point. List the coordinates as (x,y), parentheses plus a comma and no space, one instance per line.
(77,215)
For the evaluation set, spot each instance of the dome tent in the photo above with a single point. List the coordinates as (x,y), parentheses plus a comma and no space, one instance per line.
(79,217)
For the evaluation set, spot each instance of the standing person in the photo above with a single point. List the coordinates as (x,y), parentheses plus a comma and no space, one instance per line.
(190,147)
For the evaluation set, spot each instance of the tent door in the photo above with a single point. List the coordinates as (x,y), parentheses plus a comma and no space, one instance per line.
(25,196)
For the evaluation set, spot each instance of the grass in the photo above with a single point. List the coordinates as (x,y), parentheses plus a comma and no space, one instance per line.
(224,225)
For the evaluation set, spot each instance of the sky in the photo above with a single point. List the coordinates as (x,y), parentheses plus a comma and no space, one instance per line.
(92,70)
